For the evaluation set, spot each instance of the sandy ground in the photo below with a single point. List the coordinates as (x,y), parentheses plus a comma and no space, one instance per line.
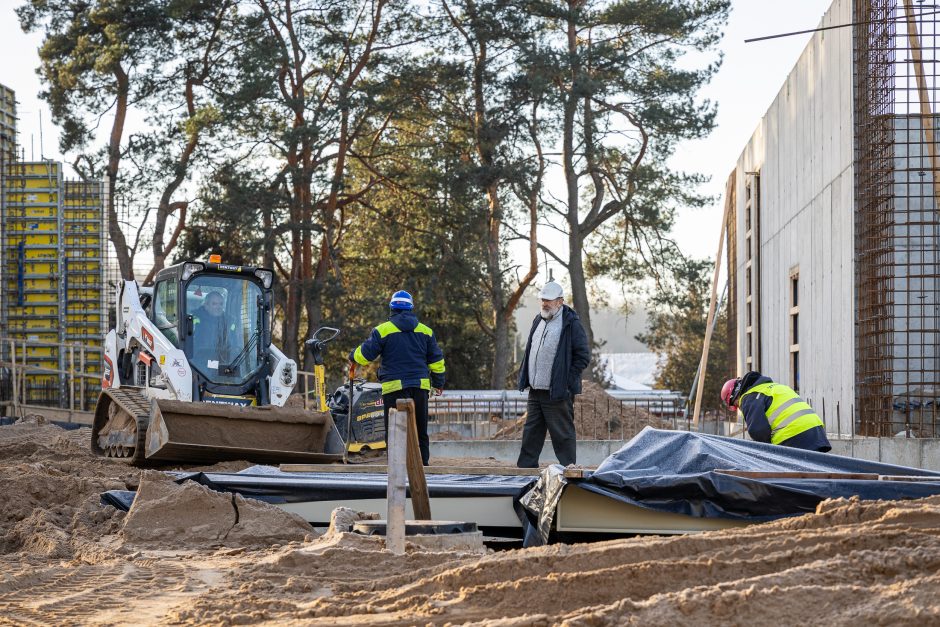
(187,555)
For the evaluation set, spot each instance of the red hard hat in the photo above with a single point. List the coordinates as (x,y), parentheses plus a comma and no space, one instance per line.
(726,390)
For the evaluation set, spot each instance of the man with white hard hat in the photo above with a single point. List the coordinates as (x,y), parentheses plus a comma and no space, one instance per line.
(555,355)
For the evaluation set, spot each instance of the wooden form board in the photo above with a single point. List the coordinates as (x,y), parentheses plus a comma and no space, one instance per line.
(430,470)
(845,476)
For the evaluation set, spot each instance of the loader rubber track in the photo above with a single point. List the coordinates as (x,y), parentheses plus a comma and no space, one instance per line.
(132,401)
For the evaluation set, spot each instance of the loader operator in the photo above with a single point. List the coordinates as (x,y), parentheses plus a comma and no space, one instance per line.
(775,413)
(412,363)
(211,343)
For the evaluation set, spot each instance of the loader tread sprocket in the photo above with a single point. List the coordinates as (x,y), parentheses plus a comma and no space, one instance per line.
(137,407)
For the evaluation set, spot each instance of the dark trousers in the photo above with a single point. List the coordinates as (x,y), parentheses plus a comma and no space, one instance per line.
(421,416)
(556,417)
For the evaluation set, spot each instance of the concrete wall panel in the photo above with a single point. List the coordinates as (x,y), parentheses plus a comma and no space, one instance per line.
(804,151)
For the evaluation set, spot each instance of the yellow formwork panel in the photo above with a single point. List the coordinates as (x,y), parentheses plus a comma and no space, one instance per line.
(41,267)
(34,185)
(84,254)
(83,238)
(40,239)
(43,211)
(30,168)
(39,284)
(28,227)
(84,307)
(32,196)
(34,299)
(48,336)
(39,351)
(75,264)
(83,291)
(48,315)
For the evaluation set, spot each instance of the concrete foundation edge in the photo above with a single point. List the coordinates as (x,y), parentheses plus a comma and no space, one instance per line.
(913,452)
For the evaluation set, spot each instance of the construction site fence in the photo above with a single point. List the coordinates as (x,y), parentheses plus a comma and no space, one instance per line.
(58,393)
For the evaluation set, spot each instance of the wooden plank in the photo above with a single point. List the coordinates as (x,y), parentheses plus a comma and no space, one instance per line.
(416,480)
(395,491)
(926,114)
(428,470)
(711,308)
(800,475)
(577,473)
(911,478)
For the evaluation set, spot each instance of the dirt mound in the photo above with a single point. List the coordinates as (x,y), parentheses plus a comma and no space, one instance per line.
(597,416)
(168,514)
(63,561)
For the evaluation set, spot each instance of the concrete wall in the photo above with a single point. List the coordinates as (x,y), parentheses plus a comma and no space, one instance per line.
(803,150)
(916,453)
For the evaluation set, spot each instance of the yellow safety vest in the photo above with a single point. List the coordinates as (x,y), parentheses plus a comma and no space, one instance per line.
(788,414)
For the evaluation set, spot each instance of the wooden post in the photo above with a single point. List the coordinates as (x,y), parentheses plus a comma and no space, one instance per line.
(395,515)
(417,483)
(71,381)
(711,313)
(926,114)
(81,387)
(15,381)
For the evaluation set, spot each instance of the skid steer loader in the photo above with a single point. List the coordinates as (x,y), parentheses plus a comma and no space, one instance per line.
(190,375)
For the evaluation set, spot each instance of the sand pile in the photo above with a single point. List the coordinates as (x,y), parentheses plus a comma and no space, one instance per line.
(165,513)
(597,416)
(63,561)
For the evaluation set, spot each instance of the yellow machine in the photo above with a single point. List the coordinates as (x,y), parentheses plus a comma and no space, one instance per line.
(366,432)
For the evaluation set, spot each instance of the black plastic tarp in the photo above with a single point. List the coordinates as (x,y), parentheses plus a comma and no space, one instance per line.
(675,471)
(269,484)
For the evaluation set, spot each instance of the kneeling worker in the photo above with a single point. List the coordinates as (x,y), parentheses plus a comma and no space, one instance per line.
(774,413)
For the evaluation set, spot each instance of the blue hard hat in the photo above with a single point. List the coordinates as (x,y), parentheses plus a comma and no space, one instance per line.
(401,300)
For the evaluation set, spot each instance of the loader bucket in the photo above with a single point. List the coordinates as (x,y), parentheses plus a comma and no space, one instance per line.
(208,432)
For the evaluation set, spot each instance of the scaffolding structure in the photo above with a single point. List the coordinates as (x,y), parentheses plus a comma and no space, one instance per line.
(897,226)
(53,309)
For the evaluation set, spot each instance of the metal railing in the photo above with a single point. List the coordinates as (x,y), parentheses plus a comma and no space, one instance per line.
(61,394)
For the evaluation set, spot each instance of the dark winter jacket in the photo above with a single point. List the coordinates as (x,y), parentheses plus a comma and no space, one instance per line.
(754,408)
(410,355)
(572,357)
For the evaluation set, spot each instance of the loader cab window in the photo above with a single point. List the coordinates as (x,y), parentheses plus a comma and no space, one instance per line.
(164,310)
(226,329)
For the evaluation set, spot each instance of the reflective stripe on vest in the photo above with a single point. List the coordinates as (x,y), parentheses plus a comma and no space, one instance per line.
(393,386)
(788,414)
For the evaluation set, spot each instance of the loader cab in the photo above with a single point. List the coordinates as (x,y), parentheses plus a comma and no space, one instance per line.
(219,315)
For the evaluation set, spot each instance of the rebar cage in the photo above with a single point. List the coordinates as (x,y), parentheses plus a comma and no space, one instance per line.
(896,223)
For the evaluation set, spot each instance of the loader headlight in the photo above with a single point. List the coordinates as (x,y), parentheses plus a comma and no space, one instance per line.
(266,276)
(191,268)
(287,375)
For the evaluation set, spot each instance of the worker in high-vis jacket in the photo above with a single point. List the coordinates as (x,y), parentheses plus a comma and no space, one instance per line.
(774,413)
(412,363)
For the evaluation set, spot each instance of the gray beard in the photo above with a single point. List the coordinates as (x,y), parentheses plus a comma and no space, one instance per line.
(548,315)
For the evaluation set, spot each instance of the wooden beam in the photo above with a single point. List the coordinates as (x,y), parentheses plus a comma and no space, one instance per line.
(748,474)
(417,483)
(711,314)
(395,490)
(382,469)
(926,114)
(855,476)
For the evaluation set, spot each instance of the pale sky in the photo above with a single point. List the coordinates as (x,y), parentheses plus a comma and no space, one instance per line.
(747,83)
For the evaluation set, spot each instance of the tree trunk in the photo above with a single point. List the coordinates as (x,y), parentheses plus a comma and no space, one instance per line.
(500,369)
(125,262)
(579,298)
